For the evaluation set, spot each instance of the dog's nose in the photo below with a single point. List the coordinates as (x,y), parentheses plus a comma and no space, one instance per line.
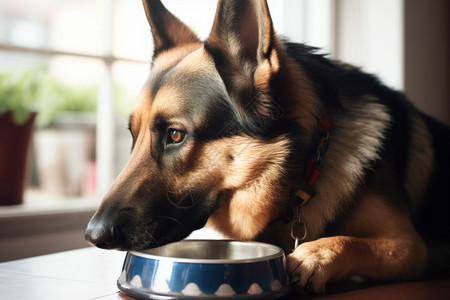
(103,235)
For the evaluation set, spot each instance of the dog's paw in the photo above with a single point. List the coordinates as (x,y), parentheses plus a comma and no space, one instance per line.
(312,264)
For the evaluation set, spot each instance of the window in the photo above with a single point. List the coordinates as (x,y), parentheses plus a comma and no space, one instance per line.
(97,48)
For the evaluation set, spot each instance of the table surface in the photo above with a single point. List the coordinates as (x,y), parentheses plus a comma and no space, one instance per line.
(92,273)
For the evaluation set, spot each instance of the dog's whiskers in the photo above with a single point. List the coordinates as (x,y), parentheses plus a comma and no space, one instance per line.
(172,219)
(141,241)
(151,237)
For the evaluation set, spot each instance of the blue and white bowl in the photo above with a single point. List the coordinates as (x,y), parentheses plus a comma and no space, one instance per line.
(206,269)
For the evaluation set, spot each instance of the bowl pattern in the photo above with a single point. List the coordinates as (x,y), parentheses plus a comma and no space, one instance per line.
(144,277)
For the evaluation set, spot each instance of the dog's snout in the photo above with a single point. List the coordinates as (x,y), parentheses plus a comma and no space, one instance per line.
(103,235)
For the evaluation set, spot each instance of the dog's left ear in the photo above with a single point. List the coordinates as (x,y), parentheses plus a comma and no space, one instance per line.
(244,47)
(167,30)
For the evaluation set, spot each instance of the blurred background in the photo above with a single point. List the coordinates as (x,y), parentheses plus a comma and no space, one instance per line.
(71,71)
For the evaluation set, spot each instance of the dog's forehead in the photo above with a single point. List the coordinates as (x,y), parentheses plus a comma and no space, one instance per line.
(186,86)
(196,68)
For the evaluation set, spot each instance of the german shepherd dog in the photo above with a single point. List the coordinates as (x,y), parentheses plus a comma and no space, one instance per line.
(267,140)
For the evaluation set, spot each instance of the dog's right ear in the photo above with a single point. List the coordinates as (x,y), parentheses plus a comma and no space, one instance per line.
(167,30)
(246,52)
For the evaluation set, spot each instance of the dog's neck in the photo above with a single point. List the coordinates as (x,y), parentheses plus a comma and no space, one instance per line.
(290,221)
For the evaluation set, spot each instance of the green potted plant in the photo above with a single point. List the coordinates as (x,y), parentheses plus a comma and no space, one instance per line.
(18,98)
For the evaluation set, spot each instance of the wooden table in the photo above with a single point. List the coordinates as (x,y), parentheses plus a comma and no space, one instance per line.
(92,273)
(88,273)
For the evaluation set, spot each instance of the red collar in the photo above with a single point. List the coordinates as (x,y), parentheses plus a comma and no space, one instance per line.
(305,191)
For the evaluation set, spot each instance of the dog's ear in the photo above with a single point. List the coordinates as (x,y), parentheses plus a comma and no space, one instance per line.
(243,28)
(244,47)
(167,30)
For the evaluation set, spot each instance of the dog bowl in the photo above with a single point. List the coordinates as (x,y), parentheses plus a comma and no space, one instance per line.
(205,269)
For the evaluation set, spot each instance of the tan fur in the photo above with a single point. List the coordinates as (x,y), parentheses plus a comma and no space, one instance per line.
(265,71)
(171,57)
(250,179)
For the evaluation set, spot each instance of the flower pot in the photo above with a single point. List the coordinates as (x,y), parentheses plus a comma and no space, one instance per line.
(64,153)
(14,147)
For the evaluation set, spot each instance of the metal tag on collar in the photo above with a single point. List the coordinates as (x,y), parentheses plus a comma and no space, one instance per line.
(298,228)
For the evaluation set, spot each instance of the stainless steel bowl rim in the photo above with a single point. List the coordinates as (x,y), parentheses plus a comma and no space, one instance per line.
(279,253)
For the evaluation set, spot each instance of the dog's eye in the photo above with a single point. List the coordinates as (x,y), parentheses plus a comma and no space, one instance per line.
(175,136)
